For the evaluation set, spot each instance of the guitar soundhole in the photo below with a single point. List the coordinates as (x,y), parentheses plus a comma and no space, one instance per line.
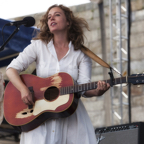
(51,93)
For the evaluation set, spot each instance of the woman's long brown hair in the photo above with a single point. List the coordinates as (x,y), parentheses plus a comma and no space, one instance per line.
(75,28)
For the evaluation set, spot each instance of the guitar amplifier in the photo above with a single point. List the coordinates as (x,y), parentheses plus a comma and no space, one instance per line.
(121,134)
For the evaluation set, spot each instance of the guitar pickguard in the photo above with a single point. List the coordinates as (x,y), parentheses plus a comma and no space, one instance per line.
(43,105)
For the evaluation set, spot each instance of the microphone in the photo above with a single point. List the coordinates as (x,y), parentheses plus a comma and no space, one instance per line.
(27,21)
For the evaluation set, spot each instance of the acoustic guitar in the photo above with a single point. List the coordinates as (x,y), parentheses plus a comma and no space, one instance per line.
(54,97)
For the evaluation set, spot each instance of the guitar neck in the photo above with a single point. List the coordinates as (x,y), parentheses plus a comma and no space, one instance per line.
(89,86)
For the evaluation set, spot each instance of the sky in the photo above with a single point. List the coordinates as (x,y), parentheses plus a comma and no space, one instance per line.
(15,8)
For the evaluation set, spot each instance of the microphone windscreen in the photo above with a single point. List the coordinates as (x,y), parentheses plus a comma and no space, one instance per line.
(30,21)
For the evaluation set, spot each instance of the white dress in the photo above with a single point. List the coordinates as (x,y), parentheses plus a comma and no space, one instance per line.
(75,129)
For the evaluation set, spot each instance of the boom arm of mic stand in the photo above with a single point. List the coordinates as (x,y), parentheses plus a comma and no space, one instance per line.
(15,31)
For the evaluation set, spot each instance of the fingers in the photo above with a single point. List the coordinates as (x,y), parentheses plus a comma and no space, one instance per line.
(28,100)
(103,85)
(27,97)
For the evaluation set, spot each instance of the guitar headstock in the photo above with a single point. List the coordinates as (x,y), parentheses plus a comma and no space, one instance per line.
(136,79)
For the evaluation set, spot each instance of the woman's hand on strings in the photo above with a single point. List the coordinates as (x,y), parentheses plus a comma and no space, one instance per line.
(102,87)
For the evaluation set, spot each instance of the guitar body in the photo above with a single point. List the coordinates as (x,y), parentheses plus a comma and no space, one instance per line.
(49,102)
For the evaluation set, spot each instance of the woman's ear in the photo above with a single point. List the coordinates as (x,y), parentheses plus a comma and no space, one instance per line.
(68,24)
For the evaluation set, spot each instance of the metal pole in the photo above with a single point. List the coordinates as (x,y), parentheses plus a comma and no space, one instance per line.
(111,56)
(128,46)
(120,57)
(104,57)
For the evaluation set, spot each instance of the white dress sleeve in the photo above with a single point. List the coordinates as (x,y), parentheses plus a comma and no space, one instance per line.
(85,67)
(25,58)
(84,71)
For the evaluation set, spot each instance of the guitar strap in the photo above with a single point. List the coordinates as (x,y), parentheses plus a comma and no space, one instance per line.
(99,61)
(94,57)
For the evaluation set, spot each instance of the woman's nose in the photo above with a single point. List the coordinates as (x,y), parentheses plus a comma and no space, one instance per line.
(52,17)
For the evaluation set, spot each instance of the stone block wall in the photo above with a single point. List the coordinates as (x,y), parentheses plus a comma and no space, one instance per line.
(96,106)
(137,58)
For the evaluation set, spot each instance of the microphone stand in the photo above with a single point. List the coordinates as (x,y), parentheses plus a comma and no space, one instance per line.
(15,31)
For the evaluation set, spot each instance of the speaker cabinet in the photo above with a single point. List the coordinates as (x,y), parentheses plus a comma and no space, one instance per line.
(121,134)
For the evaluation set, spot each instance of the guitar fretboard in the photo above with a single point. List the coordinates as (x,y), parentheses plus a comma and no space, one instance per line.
(89,86)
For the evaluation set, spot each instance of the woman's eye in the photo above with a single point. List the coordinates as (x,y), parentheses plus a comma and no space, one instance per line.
(57,14)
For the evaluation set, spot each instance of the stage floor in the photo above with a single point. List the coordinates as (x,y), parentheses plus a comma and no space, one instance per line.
(8,141)
(7,135)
